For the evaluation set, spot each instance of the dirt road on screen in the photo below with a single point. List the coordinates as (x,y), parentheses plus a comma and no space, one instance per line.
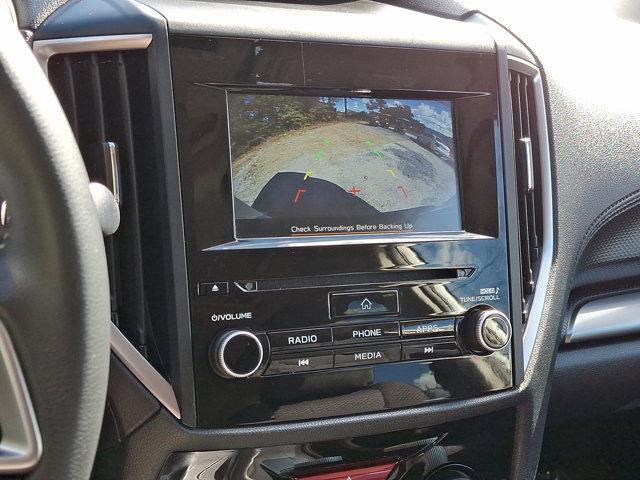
(388,170)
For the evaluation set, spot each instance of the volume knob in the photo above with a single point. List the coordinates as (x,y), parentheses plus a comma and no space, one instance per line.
(236,354)
(486,330)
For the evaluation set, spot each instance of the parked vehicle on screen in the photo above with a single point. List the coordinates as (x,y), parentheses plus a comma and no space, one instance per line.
(431,143)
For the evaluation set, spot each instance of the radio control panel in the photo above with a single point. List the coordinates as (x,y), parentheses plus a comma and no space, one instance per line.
(300,348)
(482,331)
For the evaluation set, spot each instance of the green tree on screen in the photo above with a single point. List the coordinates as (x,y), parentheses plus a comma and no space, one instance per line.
(255,118)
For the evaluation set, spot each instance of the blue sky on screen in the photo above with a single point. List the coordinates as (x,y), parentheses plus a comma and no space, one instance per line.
(434,114)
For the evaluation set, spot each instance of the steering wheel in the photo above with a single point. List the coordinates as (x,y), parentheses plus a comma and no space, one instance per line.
(54,291)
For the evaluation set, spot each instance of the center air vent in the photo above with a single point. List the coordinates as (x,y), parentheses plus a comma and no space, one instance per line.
(106,98)
(527,155)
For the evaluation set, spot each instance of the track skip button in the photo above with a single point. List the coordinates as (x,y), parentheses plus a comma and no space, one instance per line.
(299,363)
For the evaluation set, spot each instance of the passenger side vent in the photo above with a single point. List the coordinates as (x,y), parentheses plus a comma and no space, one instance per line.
(107,101)
(527,155)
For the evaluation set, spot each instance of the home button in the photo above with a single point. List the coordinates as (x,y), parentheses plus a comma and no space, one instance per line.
(361,304)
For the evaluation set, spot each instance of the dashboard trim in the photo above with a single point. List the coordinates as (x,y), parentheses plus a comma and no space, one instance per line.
(296,21)
(608,317)
(45,49)
(537,305)
(144,371)
(342,240)
(20,442)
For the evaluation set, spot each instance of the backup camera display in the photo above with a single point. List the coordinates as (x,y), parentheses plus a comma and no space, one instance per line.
(310,165)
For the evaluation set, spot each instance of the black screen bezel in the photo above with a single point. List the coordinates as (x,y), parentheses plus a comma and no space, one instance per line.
(231,64)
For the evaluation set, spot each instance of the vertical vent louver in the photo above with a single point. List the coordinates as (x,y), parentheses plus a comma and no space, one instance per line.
(527,157)
(107,101)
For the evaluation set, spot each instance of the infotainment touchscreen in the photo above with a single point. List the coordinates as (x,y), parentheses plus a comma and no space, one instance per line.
(314,165)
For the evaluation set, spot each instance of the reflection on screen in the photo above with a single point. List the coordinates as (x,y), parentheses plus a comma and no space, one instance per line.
(308,165)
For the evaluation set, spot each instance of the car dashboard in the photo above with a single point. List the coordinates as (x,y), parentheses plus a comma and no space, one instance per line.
(358,240)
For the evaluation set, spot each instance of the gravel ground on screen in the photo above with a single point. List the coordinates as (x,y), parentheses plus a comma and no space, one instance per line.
(390,170)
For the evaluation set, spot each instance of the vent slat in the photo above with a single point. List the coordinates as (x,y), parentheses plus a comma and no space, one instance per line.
(135,305)
(526,142)
(523,210)
(95,92)
(69,86)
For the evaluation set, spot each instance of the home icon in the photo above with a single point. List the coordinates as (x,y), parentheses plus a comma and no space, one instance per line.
(366,304)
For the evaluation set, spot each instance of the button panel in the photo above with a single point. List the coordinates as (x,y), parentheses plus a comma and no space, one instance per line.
(367,355)
(362,304)
(366,333)
(444,327)
(300,351)
(312,337)
(298,363)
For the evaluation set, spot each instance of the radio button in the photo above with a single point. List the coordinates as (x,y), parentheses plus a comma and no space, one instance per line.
(366,333)
(300,363)
(363,304)
(429,351)
(445,327)
(367,356)
(300,338)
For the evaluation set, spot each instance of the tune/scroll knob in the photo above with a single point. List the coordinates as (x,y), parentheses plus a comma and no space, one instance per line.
(486,330)
(236,354)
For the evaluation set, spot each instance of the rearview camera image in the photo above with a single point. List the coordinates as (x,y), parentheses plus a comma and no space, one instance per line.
(309,165)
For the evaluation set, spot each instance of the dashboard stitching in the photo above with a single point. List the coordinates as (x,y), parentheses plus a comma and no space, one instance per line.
(620,206)
(612,211)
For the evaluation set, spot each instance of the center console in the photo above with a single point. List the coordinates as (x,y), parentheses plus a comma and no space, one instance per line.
(346,228)
(336,237)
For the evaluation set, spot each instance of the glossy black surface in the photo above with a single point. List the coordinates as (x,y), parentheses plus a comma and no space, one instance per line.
(301,275)
(481,445)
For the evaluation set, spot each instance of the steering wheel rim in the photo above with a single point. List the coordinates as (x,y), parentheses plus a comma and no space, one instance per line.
(54,290)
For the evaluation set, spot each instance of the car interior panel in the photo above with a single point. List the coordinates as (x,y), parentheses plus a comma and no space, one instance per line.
(319,240)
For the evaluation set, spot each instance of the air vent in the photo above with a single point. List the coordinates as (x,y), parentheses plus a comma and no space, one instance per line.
(107,101)
(527,156)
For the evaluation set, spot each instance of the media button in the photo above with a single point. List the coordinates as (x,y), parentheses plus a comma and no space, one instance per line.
(363,304)
(311,337)
(444,327)
(366,333)
(300,363)
(367,356)
(429,351)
